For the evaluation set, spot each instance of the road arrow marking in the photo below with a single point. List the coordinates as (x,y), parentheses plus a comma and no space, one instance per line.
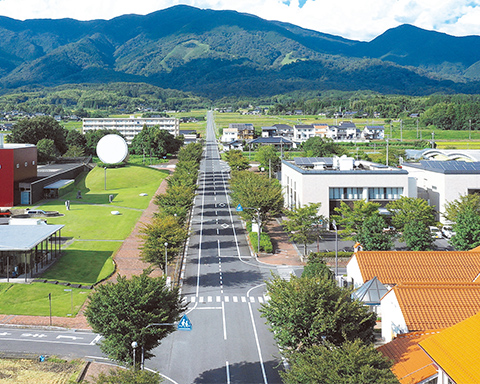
(95,341)
(5,334)
(69,337)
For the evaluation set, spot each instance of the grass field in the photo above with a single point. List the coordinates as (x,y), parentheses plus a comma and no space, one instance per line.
(53,371)
(85,261)
(32,299)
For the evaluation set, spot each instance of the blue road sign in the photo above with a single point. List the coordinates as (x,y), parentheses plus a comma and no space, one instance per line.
(184,324)
(239,208)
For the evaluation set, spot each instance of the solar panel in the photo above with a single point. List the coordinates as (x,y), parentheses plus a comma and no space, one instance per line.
(457,166)
(309,161)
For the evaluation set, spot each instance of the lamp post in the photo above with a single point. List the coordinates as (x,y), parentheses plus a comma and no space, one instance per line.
(166,258)
(134,346)
(336,248)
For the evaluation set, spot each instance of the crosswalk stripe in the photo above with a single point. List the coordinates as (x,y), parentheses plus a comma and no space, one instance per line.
(260,300)
(252,299)
(235,299)
(244,299)
(227,299)
(218,299)
(209,299)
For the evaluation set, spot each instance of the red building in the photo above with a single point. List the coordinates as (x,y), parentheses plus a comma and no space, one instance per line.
(18,162)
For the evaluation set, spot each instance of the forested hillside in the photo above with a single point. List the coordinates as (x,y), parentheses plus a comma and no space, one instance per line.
(225,53)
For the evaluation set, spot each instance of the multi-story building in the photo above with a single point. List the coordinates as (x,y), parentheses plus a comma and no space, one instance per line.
(330,181)
(130,127)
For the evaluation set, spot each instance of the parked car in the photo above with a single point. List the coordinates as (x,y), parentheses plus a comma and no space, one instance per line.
(436,233)
(6,213)
(447,231)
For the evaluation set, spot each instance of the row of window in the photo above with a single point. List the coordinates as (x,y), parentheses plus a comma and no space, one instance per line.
(362,193)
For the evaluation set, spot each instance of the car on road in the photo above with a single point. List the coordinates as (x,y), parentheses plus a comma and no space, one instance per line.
(447,231)
(436,233)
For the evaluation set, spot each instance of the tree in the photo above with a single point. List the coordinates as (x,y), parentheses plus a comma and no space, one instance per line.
(31,131)
(177,200)
(75,138)
(128,376)
(268,158)
(321,147)
(256,191)
(464,202)
(417,236)
(236,160)
(373,237)
(163,229)
(306,311)
(317,268)
(46,150)
(407,209)
(302,224)
(350,363)
(351,219)
(190,152)
(467,230)
(74,151)
(93,137)
(154,141)
(121,312)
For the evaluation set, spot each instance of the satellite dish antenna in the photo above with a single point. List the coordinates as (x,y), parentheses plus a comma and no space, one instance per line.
(111,149)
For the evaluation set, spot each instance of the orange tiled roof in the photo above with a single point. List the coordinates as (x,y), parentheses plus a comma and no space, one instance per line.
(394,267)
(435,306)
(456,350)
(411,364)
(476,249)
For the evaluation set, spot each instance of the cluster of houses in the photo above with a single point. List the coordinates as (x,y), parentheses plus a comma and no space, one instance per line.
(239,134)
(429,305)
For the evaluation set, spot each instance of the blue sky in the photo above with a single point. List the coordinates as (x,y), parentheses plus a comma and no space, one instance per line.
(352,19)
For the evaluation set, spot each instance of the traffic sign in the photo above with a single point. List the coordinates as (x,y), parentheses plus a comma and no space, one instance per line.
(184,324)
(239,208)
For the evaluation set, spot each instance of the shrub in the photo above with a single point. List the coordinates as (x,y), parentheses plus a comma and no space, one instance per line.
(265,242)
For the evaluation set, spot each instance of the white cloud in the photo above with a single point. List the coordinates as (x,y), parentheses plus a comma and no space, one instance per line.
(353,19)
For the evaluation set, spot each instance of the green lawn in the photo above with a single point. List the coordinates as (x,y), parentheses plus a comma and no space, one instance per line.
(32,299)
(90,218)
(71,266)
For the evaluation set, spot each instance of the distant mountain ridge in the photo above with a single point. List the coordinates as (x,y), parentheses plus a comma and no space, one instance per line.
(223,53)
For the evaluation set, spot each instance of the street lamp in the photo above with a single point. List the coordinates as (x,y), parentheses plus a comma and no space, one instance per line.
(134,346)
(166,258)
(336,248)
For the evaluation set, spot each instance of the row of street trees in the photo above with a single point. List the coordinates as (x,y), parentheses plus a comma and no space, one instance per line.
(131,310)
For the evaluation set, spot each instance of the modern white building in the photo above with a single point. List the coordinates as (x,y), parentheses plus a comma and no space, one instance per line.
(330,181)
(130,127)
(302,132)
(440,182)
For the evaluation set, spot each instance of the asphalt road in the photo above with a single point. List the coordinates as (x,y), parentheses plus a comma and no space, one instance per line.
(224,287)
(67,343)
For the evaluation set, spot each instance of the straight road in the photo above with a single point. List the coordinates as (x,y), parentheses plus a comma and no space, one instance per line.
(224,287)
(50,342)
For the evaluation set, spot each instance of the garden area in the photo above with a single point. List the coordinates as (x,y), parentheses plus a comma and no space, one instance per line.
(92,235)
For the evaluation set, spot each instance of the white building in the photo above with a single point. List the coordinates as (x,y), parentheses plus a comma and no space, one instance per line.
(303,132)
(440,182)
(330,181)
(130,127)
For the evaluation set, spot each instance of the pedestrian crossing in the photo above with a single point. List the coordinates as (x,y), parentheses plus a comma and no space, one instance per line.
(226,299)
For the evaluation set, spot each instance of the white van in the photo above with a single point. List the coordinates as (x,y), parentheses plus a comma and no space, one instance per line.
(436,233)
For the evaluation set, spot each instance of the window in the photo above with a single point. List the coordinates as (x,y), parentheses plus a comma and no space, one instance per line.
(384,193)
(346,193)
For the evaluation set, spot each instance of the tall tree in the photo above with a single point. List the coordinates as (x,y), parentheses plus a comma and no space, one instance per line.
(351,219)
(236,160)
(163,229)
(373,237)
(155,141)
(268,158)
(460,205)
(417,236)
(307,311)
(302,224)
(121,312)
(407,209)
(46,150)
(321,147)
(31,131)
(257,194)
(350,363)
(467,230)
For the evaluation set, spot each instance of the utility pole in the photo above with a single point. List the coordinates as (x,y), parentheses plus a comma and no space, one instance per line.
(401,130)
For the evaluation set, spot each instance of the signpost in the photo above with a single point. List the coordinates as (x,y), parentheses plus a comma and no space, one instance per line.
(184,324)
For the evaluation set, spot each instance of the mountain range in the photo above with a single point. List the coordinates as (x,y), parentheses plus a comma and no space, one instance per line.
(226,53)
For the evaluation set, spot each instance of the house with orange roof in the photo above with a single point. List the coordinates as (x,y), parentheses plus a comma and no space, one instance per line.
(455,352)
(411,365)
(395,267)
(410,307)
